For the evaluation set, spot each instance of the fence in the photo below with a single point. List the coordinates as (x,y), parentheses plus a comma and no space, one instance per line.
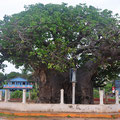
(24,106)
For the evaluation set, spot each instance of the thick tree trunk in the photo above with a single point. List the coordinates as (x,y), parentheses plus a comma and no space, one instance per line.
(84,85)
(50,82)
(84,88)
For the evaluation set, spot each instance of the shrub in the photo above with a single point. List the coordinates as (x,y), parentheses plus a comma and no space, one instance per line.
(16,94)
(96,93)
(34,94)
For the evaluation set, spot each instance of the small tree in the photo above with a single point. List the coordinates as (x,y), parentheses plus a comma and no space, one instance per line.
(12,75)
(2,78)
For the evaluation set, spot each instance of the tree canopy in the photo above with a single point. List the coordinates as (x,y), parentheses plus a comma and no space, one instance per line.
(60,36)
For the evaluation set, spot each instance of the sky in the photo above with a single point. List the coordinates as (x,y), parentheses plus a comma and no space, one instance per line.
(9,7)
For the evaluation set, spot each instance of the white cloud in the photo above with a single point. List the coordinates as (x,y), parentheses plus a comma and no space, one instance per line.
(10,68)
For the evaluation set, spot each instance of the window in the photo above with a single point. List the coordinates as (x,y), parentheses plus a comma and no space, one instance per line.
(13,83)
(23,83)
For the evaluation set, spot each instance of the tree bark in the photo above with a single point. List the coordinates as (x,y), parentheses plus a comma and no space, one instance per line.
(49,85)
(84,86)
(50,82)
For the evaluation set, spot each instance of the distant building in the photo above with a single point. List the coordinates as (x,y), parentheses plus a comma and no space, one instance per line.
(117,85)
(18,84)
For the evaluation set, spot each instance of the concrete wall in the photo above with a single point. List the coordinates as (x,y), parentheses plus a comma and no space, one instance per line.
(59,107)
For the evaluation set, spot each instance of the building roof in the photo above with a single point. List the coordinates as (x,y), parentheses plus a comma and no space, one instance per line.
(18,79)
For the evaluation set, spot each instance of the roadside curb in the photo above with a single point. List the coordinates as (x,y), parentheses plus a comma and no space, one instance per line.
(77,115)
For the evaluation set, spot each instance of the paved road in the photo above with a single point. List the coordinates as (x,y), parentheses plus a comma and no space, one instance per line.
(3,118)
(40,118)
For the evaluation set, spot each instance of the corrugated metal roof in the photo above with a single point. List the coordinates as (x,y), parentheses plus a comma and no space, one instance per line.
(18,79)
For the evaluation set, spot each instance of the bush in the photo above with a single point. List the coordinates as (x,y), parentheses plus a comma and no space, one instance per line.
(96,93)
(16,94)
(34,94)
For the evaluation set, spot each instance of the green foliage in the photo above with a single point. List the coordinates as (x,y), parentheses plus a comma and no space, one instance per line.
(34,94)
(59,37)
(24,74)
(2,78)
(106,74)
(43,33)
(108,87)
(13,75)
(96,93)
(16,94)
(69,116)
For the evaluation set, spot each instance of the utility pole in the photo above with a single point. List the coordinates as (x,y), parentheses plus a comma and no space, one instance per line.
(73,80)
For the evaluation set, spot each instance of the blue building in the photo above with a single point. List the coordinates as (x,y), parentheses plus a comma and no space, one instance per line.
(18,84)
(117,85)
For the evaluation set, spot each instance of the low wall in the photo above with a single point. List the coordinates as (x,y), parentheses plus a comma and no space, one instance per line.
(59,107)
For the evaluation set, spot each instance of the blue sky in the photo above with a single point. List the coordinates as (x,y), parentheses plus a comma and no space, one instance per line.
(10,7)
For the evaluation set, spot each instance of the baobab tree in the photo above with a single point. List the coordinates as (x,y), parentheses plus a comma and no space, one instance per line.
(52,38)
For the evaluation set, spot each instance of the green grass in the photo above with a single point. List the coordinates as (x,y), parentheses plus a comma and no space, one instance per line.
(14,116)
(6,115)
(69,116)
